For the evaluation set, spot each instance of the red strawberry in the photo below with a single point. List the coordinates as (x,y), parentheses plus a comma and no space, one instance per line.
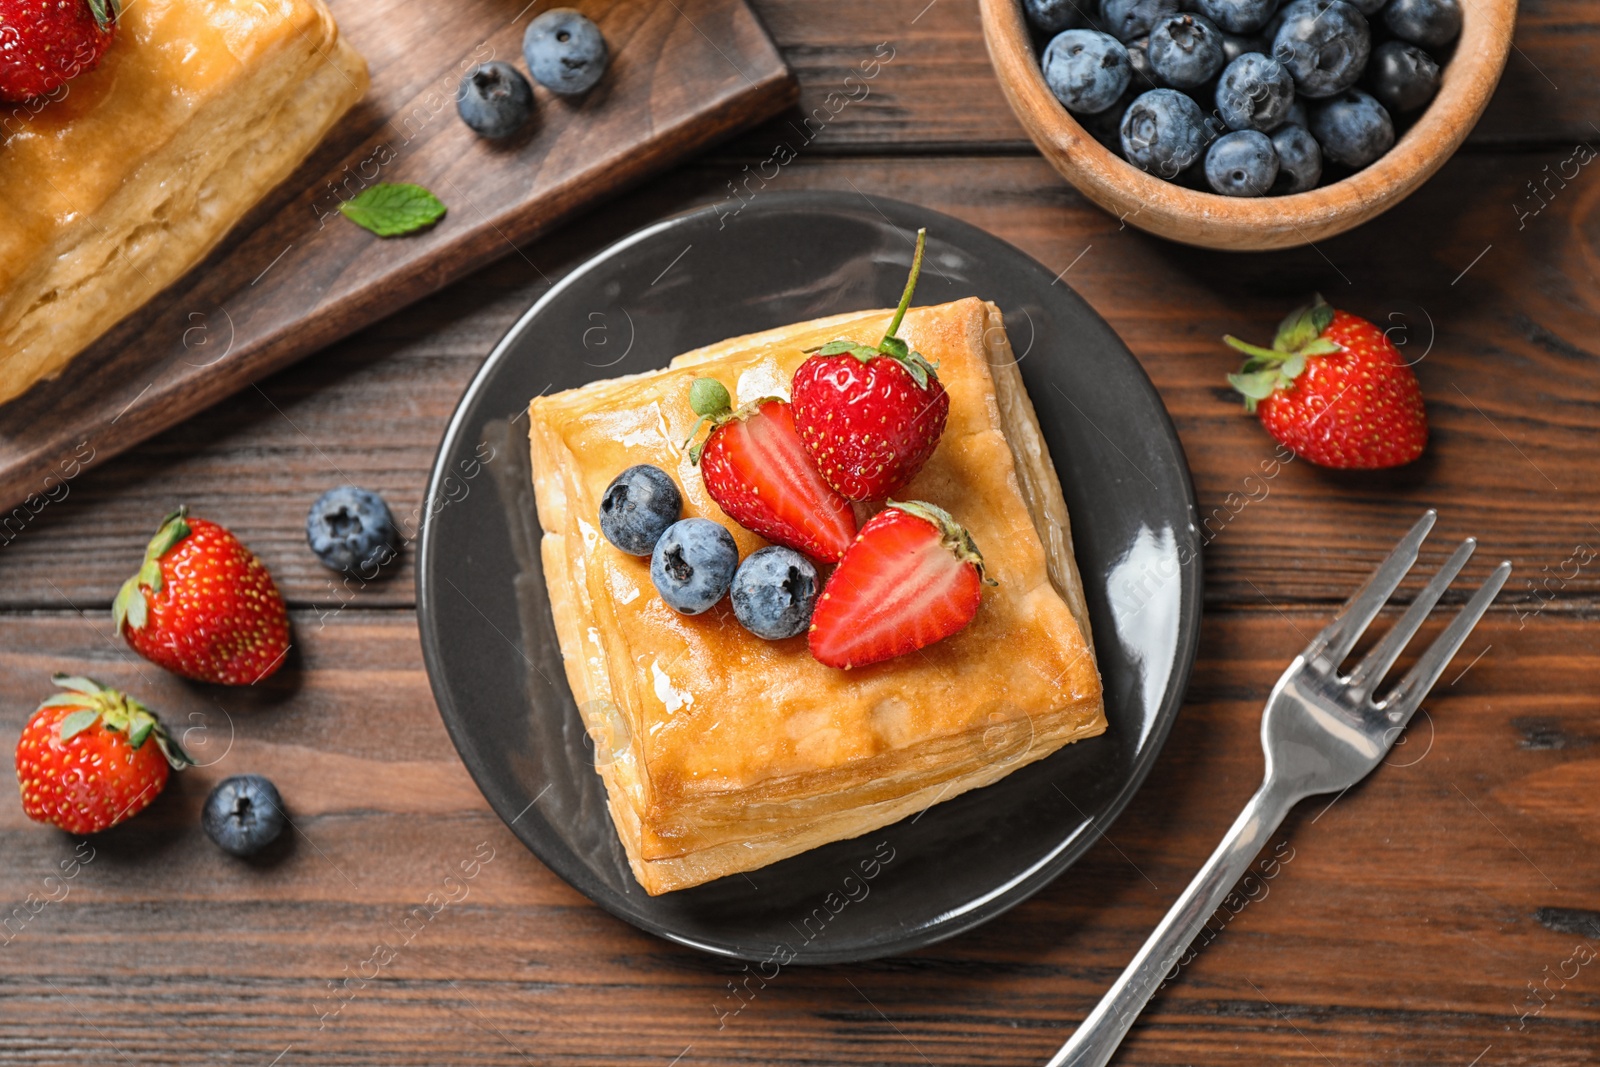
(912,577)
(870,417)
(46,43)
(86,760)
(757,471)
(203,606)
(1335,390)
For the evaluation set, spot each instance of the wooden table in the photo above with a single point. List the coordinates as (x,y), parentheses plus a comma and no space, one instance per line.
(1440,913)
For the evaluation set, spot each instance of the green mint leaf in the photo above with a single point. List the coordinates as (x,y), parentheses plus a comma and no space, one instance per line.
(76,723)
(393,209)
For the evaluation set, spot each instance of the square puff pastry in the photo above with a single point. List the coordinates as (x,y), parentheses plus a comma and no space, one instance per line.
(722,752)
(115,190)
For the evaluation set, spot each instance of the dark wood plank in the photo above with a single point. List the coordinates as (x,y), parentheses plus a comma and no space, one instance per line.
(300,276)
(1402,924)
(1510,376)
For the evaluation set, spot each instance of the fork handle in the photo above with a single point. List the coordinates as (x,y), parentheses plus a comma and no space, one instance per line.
(1092,1044)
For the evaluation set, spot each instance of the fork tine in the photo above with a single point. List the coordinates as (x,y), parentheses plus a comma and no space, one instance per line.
(1420,678)
(1371,670)
(1340,636)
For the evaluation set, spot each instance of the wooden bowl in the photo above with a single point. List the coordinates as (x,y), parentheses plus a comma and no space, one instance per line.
(1259,223)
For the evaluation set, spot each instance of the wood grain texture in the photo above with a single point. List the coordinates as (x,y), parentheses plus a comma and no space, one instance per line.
(296,275)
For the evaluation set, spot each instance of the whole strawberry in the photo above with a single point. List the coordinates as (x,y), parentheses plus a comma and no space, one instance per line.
(46,43)
(870,417)
(91,757)
(1334,389)
(757,470)
(203,606)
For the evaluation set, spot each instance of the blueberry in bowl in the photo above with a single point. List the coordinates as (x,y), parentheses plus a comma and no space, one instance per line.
(1053,16)
(1352,128)
(1299,159)
(1255,92)
(1402,76)
(1127,20)
(1324,45)
(1242,163)
(1087,70)
(1163,132)
(1186,50)
(1430,23)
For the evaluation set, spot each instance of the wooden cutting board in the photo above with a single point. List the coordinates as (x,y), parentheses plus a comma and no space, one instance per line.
(296,275)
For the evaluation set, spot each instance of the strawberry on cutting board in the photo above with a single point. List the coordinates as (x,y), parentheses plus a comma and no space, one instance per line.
(871,417)
(758,472)
(91,757)
(1334,389)
(46,43)
(203,606)
(912,577)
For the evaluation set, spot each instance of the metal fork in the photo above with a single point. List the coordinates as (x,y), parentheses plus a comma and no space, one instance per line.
(1323,732)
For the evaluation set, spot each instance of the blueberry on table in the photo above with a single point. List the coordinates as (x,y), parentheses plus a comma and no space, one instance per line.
(1186,50)
(1255,92)
(243,814)
(1299,159)
(1128,19)
(1163,132)
(565,51)
(494,99)
(637,507)
(1242,163)
(1053,16)
(1324,44)
(1353,128)
(1086,70)
(773,592)
(351,529)
(1402,76)
(1430,23)
(1237,16)
(693,564)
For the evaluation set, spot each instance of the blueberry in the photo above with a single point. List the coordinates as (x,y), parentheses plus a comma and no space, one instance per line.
(637,507)
(774,591)
(1052,16)
(1402,76)
(1105,127)
(1352,128)
(1324,44)
(1297,114)
(1299,160)
(565,51)
(1234,46)
(1128,19)
(243,814)
(1367,7)
(1254,93)
(494,99)
(352,530)
(1163,132)
(1431,23)
(1242,163)
(1236,16)
(1186,50)
(1086,69)
(1144,75)
(693,564)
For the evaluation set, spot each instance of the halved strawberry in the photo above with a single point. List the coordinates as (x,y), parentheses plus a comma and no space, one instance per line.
(912,577)
(758,472)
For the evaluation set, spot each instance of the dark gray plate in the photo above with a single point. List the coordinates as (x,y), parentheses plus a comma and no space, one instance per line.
(490,646)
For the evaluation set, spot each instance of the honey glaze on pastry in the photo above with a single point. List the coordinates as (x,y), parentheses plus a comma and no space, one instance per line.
(119,186)
(730,752)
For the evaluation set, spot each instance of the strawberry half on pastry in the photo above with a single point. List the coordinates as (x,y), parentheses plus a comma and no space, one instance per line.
(46,43)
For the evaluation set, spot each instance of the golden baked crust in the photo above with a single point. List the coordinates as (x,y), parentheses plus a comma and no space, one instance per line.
(722,752)
(115,190)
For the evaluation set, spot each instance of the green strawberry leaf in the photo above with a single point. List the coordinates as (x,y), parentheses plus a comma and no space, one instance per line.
(394,209)
(836,348)
(105,13)
(893,346)
(1302,326)
(76,723)
(1257,386)
(62,700)
(140,729)
(77,684)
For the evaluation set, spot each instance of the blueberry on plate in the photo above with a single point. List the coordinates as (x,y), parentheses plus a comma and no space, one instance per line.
(565,51)
(773,592)
(1128,19)
(1052,16)
(494,99)
(1163,132)
(1299,160)
(693,564)
(1186,50)
(352,530)
(243,814)
(1402,76)
(1236,16)
(1086,70)
(1430,23)
(1324,44)
(1254,93)
(1242,163)
(1234,46)
(637,507)
(1352,128)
